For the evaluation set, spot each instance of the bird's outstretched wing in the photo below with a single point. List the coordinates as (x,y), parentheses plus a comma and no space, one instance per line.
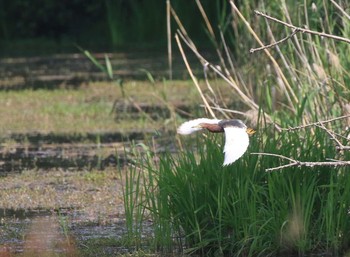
(193,125)
(236,143)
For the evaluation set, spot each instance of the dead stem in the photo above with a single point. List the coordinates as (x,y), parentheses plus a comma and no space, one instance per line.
(252,50)
(193,77)
(303,30)
(290,94)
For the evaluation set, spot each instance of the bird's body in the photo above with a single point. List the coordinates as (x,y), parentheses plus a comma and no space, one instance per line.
(236,134)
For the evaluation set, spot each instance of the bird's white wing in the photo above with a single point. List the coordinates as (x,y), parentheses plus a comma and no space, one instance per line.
(236,143)
(192,126)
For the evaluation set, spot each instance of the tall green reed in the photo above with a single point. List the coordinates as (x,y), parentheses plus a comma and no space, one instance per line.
(133,199)
(240,210)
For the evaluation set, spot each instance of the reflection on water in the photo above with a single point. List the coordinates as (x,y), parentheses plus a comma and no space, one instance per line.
(39,232)
(43,236)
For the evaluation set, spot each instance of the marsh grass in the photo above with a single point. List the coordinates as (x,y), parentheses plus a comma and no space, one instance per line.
(198,206)
(240,210)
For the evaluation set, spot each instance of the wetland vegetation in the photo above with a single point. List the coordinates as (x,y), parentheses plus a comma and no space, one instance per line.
(131,186)
(302,206)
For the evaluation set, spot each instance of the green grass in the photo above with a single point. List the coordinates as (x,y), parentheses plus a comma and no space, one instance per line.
(241,210)
(200,207)
(89,108)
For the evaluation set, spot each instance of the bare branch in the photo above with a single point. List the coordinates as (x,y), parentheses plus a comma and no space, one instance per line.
(193,77)
(303,30)
(316,123)
(293,162)
(276,155)
(339,146)
(252,50)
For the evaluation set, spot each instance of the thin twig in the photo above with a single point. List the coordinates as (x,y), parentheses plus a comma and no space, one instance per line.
(252,50)
(206,20)
(339,146)
(316,123)
(329,132)
(312,164)
(290,92)
(276,155)
(303,30)
(293,162)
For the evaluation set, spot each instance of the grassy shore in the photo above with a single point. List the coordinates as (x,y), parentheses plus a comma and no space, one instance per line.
(91,108)
(91,195)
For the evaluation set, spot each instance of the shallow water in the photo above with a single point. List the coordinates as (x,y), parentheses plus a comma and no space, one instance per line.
(22,229)
(65,156)
(17,225)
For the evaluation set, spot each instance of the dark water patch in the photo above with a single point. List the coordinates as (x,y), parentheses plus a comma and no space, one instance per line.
(75,157)
(76,151)
(37,138)
(65,151)
(73,70)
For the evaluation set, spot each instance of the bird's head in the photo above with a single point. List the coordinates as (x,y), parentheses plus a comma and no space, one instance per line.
(237,124)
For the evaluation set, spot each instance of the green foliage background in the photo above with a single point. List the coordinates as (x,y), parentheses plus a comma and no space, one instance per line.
(96,23)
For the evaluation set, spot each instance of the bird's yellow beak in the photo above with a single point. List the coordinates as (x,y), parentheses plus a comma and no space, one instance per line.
(250,131)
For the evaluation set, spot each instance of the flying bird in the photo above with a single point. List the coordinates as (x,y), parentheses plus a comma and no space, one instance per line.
(236,134)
